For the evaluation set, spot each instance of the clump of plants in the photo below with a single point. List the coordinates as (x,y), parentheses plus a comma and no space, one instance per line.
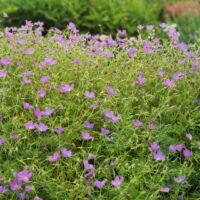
(94,117)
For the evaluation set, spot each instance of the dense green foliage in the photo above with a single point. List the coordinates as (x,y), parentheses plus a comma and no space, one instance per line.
(90,15)
(158,85)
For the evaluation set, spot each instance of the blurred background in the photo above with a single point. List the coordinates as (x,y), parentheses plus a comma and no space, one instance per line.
(105,16)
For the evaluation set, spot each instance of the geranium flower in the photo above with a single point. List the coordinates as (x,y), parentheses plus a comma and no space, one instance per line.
(59,130)
(3,74)
(105,131)
(30,125)
(55,157)
(41,93)
(44,79)
(89,95)
(169,83)
(41,127)
(179,179)
(66,153)
(187,153)
(24,175)
(26,105)
(87,165)
(86,136)
(137,123)
(15,184)
(165,189)
(132,52)
(110,90)
(88,125)
(158,156)
(117,181)
(100,184)
(154,146)
(66,88)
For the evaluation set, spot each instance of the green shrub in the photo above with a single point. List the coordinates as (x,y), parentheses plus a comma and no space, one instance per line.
(104,16)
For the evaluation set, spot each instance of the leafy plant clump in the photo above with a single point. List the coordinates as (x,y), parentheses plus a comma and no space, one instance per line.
(91,117)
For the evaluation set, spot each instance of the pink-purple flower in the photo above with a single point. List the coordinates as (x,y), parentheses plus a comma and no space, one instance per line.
(117,181)
(158,156)
(55,157)
(66,88)
(89,95)
(100,184)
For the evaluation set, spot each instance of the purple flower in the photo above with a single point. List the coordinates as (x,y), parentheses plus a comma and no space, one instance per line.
(28,51)
(3,74)
(5,61)
(66,88)
(110,90)
(44,79)
(54,157)
(154,146)
(86,136)
(2,140)
(179,147)
(189,136)
(179,75)
(165,189)
(147,48)
(37,198)
(27,105)
(37,113)
(132,52)
(14,136)
(137,123)
(158,156)
(3,189)
(28,188)
(179,179)
(173,34)
(47,112)
(41,93)
(163,25)
(172,148)
(89,174)
(91,156)
(24,175)
(22,196)
(26,80)
(169,83)
(87,165)
(187,153)
(117,181)
(49,61)
(71,26)
(5,15)
(160,74)
(15,184)
(121,32)
(88,125)
(140,27)
(41,127)
(105,131)
(30,125)
(151,126)
(140,80)
(150,27)
(89,95)
(110,115)
(66,153)
(59,130)
(99,184)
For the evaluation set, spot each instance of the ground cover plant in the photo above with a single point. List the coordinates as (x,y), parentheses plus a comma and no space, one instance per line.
(92,117)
